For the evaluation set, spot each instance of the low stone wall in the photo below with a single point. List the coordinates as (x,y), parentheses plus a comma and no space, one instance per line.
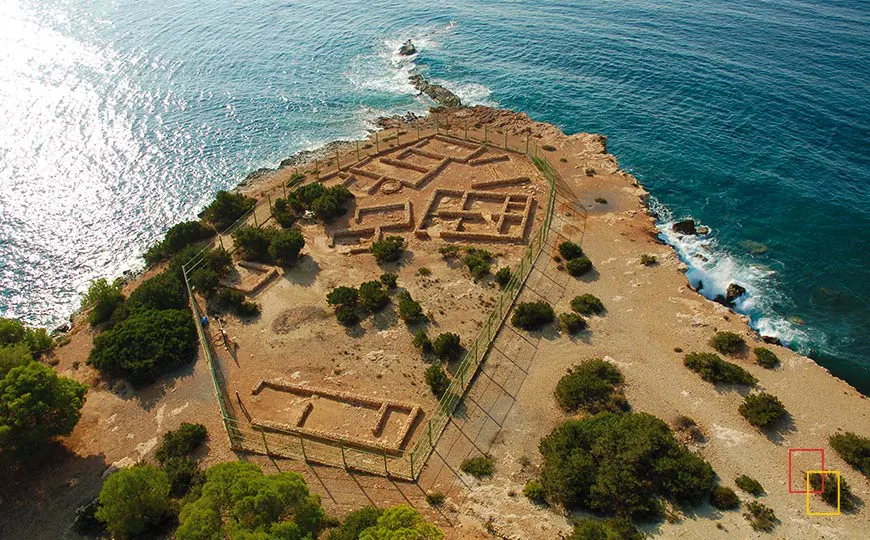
(456,142)
(501,182)
(404,165)
(490,159)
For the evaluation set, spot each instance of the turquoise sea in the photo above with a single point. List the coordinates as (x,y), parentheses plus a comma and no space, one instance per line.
(121,118)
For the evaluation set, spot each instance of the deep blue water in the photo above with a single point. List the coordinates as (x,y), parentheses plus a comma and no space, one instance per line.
(121,118)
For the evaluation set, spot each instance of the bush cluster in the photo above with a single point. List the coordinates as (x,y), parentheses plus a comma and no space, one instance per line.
(760,517)
(177,238)
(326,203)
(175,457)
(571,323)
(579,266)
(102,299)
(447,346)
(389,280)
(388,249)
(724,498)
(503,277)
(620,464)
(833,493)
(237,303)
(587,304)
(355,523)
(727,342)
(532,315)
(213,261)
(713,369)
(478,466)
(535,492)
(765,358)
(269,245)
(749,485)
(15,334)
(762,409)
(854,449)
(605,529)
(591,386)
(410,310)
(163,291)
(372,296)
(478,261)
(648,260)
(437,380)
(284,214)
(569,250)
(134,501)
(422,342)
(227,208)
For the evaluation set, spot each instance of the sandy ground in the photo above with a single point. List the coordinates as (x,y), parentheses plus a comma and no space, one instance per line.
(650,312)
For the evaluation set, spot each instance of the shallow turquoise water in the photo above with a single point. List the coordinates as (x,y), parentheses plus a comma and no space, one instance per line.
(121,118)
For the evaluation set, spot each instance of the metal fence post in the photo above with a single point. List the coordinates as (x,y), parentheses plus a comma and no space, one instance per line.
(337,160)
(386,470)
(527,144)
(221,240)
(377,144)
(505,139)
(430,434)
(343,460)
(317,168)
(284,189)
(357,150)
(466,129)
(485,132)
(269,198)
(302,443)
(411,455)
(265,444)
(255,217)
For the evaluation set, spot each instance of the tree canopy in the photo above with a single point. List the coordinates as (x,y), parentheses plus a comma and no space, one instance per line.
(134,501)
(402,523)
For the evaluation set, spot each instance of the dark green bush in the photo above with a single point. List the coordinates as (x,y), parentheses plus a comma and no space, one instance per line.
(134,501)
(227,208)
(86,523)
(372,296)
(749,485)
(236,302)
(389,280)
(303,197)
(549,147)
(388,249)
(478,262)
(450,251)
(503,277)
(284,247)
(765,358)
(579,266)
(715,370)
(620,464)
(437,380)
(163,291)
(343,296)
(587,304)
(102,299)
(571,323)
(423,271)
(760,517)
(535,491)
(478,466)
(724,498)
(435,498)
(253,242)
(532,315)
(183,473)
(13,356)
(204,280)
(569,250)
(326,203)
(410,310)
(762,409)
(284,214)
(145,345)
(346,315)
(854,449)
(832,493)
(727,342)
(177,238)
(217,260)
(14,334)
(355,523)
(648,260)
(422,341)
(447,346)
(591,386)
(181,442)
(605,529)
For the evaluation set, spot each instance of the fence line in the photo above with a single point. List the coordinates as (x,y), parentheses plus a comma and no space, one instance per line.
(409,463)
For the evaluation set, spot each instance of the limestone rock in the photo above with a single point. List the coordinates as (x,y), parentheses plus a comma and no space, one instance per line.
(686,226)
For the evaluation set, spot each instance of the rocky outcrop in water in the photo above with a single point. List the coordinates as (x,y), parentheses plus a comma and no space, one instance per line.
(733,292)
(440,95)
(407,49)
(686,226)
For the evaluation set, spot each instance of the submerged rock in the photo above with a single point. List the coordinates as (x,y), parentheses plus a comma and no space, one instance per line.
(407,49)
(440,95)
(686,226)
(733,292)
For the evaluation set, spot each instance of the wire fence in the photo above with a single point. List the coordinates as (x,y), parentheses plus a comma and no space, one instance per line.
(409,463)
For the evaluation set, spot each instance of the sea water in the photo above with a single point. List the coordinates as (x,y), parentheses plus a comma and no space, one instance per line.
(120,118)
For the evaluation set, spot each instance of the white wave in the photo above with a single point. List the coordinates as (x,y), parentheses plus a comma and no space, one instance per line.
(716,268)
(470,93)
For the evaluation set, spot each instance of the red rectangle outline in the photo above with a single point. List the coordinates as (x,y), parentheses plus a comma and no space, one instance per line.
(803,492)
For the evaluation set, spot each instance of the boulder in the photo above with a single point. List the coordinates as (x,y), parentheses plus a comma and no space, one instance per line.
(733,292)
(440,95)
(686,226)
(773,340)
(703,230)
(407,49)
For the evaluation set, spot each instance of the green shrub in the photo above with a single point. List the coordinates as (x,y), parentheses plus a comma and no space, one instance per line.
(14,333)
(326,203)
(727,342)
(435,498)
(503,277)
(372,296)
(591,386)
(146,345)
(181,442)
(35,406)
(447,346)
(355,523)
(86,523)
(402,522)
(134,501)
(549,147)
(11,332)
(253,242)
(388,249)
(346,315)
(587,304)
(532,315)
(571,323)
(303,197)
(833,493)
(343,296)
(204,280)
(163,291)
(478,262)
(389,280)
(217,260)
(236,302)
(605,529)
(422,341)
(183,473)
(260,506)
(535,491)
(579,266)
(621,464)
(227,208)
(724,498)
(284,214)
(765,358)
(760,517)
(854,449)
(13,356)
(177,238)
(478,466)
(285,246)
(423,271)
(569,250)
(749,485)
(450,251)
(715,370)
(437,380)
(762,409)
(648,260)
(102,299)
(410,310)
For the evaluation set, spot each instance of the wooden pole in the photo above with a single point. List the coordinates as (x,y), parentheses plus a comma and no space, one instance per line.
(337,161)
(377,144)
(466,129)
(357,150)
(485,133)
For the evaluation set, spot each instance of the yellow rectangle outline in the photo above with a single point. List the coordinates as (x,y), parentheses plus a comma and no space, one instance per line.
(809,513)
